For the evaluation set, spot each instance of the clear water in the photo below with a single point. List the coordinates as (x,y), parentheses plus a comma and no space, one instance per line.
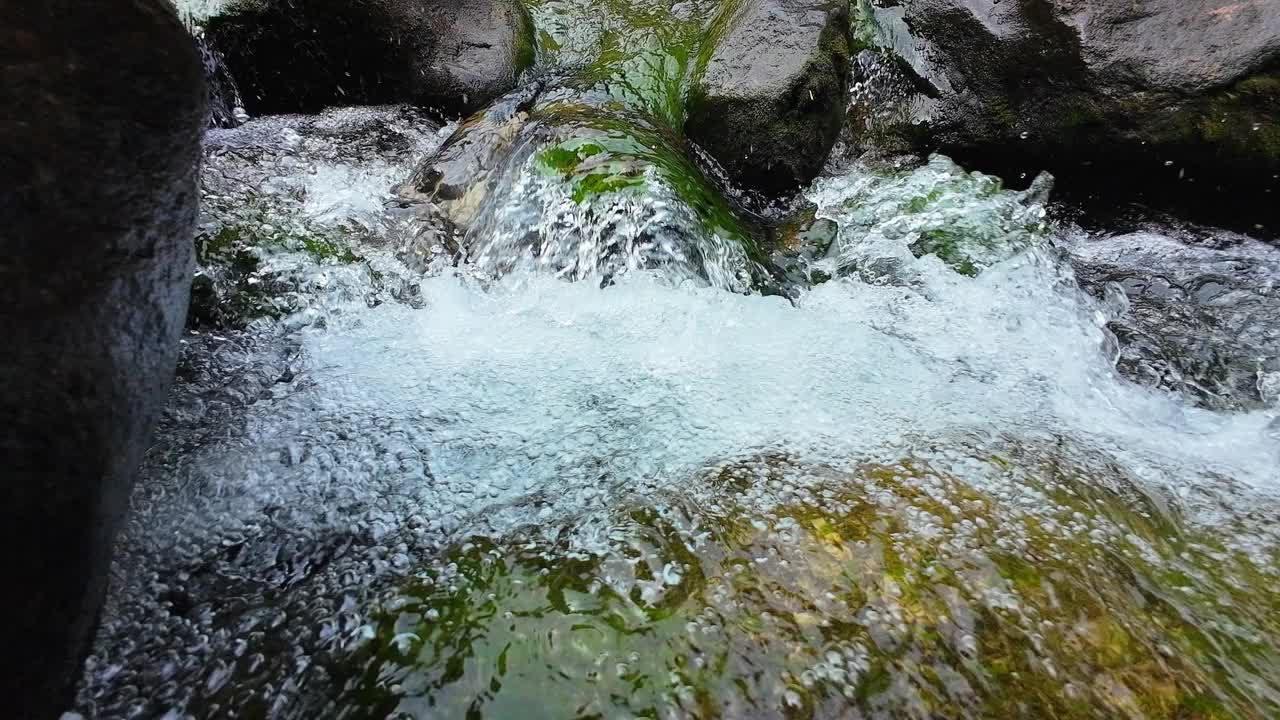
(322,465)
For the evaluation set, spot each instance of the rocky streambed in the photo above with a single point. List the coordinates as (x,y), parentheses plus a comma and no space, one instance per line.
(573,407)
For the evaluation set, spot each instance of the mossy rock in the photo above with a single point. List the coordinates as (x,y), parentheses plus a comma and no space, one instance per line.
(869,590)
(238,282)
(605,153)
(611,190)
(968,220)
(635,53)
(1241,123)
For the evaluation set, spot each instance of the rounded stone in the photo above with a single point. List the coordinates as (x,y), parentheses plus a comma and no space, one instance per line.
(101,109)
(305,55)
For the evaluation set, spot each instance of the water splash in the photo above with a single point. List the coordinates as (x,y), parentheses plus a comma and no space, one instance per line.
(965,219)
(542,222)
(310,466)
(1196,311)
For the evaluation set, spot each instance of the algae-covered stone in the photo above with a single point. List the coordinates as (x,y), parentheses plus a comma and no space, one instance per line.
(583,192)
(260,267)
(631,53)
(1029,587)
(292,212)
(968,220)
(304,55)
(769,90)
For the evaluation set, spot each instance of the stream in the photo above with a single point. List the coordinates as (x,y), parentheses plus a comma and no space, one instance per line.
(968,456)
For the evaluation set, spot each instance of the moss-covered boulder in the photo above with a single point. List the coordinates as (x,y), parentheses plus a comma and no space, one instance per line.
(305,55)
(583,191)
(636,54)
(968,220)
(769,90)
(1179,99)
(989,586)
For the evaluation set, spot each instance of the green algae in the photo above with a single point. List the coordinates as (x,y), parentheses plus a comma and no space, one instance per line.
(968,220)
(237,282)
(605,152)
(634,52)
(527,40)
(874,590)
(1245,119)
(865,32)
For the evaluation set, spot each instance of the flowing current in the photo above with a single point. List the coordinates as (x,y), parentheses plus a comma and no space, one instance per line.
(333,478)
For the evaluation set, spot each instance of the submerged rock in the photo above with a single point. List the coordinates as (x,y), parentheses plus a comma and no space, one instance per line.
(781,589)
(1184,95)
(304,55)
(101,108)
(769,89)
(887,217)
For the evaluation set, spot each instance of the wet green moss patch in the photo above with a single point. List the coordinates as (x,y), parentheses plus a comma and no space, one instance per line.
(240,279)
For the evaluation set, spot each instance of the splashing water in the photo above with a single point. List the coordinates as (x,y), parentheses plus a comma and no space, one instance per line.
(921,487)
(600,205)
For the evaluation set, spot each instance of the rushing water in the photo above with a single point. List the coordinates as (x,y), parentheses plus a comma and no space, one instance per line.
(952,480)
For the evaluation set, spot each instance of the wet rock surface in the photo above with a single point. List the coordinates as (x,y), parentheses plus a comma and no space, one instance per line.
(769,90)
(281,197)
(1198,310)
(774,589)
(1180,94)
(305,55)
(558,184)
(101,109)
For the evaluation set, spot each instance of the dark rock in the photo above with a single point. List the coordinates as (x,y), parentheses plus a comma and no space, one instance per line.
(101,109)
(305,55)
(1183,94)
(460,173)
(769,90)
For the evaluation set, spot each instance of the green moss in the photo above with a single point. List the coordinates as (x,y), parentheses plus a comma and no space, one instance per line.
(526,48)
(236,283)
(634,52)
(606,153)
(1240,124)
(597,183)
(1261,89)
(865,32)
(921,202)
(1002,113)
(566,157)
(1079,115)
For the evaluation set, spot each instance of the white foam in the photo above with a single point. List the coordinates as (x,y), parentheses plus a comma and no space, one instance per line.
(198,10)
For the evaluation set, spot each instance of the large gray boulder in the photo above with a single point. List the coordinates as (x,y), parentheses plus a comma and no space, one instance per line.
(769,90)
(101,109)
(304,55)
(1184,93)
